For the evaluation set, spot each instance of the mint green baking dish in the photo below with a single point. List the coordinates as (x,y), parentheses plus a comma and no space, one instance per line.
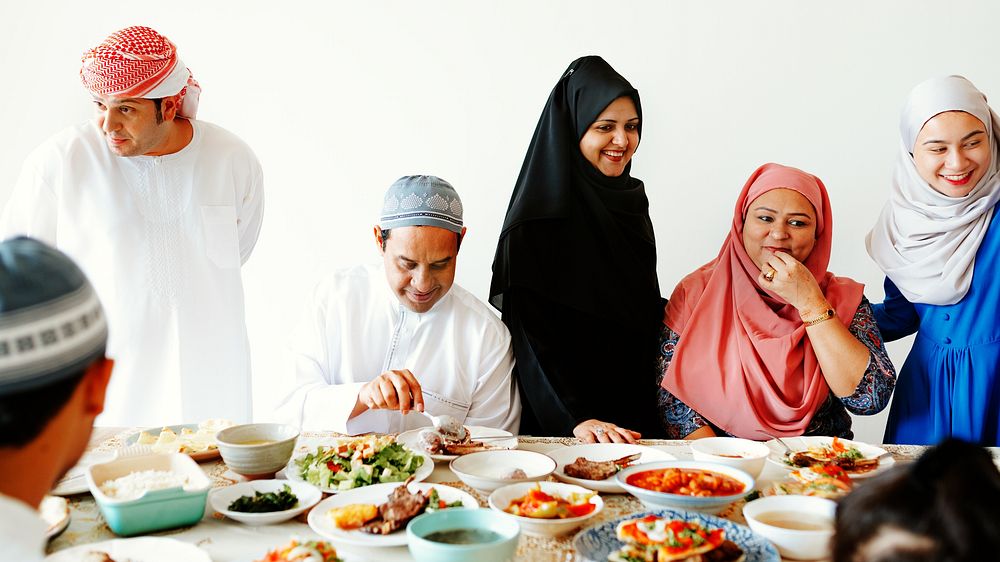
(154,510)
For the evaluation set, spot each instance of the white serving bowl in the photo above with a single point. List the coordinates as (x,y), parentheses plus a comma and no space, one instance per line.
(257,450)
(744,454)
(485,470)
(705,504)
(221,498)
(501,498)
(793,543)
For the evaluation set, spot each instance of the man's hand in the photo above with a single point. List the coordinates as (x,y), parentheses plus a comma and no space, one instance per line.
(392,390)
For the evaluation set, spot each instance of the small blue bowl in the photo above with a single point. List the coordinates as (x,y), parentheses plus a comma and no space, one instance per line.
(500,550)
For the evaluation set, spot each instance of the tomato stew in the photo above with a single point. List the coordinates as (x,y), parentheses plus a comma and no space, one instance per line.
(686,482)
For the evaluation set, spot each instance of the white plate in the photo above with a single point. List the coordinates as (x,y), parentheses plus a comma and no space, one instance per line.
(220,499)
(411,439)
(55,512)
(147,549)
(375,494)
(797,444)
(292,471)
(603,452)
(75,481)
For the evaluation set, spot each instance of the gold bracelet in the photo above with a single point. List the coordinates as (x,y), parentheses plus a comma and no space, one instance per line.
(830,313)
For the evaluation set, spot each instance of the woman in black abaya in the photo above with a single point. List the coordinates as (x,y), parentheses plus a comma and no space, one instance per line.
(575,269)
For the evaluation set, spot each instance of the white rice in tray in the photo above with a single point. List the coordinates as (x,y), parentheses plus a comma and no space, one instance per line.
(134,484)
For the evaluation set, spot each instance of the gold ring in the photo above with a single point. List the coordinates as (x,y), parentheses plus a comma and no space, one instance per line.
(770,274)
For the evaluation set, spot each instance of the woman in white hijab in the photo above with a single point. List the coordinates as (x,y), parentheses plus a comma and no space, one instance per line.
(938,245)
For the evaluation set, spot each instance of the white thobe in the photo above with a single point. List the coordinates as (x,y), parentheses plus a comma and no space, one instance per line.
(162,240)
(22,531)
(356,329)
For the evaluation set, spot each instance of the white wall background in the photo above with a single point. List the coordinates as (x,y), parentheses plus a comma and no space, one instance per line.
(338,99)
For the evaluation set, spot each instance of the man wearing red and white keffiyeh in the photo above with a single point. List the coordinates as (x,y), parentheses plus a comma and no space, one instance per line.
(160,210)
(138,62)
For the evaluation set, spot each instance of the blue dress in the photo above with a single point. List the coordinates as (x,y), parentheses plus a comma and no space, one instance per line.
(949,384)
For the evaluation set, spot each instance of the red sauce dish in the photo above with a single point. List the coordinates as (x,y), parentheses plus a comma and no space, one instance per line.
(686,482)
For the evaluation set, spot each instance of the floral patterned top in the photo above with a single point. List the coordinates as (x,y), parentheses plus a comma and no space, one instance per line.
(870,397)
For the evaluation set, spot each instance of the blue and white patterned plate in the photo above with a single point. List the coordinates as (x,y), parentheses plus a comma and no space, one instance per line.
(597,542)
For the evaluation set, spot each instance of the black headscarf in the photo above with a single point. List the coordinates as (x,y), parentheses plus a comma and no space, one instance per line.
(591,243)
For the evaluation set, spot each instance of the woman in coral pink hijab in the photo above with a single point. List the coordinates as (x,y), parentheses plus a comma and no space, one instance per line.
(763,340)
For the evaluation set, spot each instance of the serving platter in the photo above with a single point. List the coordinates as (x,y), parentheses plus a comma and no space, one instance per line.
(777,454)
(596,543)
(411,439)
(200,456)
(603,452)
(376,494)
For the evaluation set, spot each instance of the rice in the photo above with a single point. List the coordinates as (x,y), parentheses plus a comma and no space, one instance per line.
(134,484)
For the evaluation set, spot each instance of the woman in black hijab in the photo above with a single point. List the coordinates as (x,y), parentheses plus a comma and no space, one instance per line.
(575,269)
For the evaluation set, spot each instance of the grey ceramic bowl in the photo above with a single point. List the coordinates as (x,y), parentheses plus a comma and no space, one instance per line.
(257,450)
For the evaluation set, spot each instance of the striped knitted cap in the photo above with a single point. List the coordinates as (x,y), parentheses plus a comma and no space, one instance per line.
(51,322)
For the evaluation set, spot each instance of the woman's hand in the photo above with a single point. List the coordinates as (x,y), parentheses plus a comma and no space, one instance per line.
(597,431)
(786,277)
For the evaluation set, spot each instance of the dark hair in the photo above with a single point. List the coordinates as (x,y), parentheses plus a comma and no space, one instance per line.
(23,415)
(158,103)
(385,236)
(949,498)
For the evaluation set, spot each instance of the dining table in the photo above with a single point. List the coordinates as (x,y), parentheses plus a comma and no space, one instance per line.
(225,540)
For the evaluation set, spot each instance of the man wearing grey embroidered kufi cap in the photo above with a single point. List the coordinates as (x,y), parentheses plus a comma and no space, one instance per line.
(53,375)
(377,344)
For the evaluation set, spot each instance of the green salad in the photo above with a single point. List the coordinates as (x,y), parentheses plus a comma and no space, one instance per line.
(359,462)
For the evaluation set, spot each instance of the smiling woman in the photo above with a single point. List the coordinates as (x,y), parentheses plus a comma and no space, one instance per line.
(575,268)
(610,141)
(938,243)
(790,347)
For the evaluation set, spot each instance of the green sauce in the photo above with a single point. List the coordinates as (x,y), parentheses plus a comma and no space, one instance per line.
(464,536)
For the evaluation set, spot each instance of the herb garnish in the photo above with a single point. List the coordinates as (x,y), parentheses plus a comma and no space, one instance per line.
(265,502)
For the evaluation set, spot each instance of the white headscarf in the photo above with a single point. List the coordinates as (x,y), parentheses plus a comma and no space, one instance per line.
(925,241)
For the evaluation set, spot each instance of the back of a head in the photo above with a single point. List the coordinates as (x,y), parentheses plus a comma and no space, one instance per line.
(52,327)
(944,508)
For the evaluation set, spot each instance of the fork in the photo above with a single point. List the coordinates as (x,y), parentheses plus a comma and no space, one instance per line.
(788,450)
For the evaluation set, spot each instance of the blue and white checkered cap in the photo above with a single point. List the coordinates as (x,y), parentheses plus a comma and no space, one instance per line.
(51,322)
(421,201)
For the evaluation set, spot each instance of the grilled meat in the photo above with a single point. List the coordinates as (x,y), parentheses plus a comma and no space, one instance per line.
(596,470)
(401,506)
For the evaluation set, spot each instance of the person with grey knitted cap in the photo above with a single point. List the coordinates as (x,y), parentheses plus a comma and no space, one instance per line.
(53,376)
(381,341)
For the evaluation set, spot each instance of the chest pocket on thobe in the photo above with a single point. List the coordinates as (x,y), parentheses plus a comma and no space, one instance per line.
(221,240)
